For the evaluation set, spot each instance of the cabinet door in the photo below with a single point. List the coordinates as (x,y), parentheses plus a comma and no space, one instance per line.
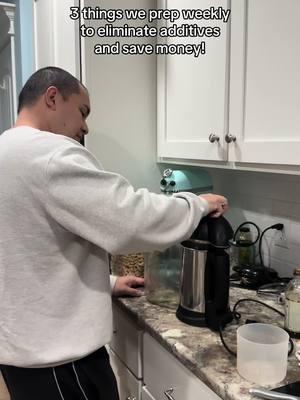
(265,81)
(56,35)
(192,91)
(165,376)
(129,387)
(146,395)
(127,341)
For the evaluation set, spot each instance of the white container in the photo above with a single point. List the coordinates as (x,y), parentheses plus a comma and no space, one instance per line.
(292,306)
(262,352)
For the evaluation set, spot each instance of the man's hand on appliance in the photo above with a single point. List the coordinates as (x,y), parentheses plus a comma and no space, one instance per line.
(217,204)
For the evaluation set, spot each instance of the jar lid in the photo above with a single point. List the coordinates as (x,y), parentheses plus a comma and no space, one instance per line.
(297,271)
(244,229)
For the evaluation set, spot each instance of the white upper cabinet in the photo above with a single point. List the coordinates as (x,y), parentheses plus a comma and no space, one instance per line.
(265,81)
(246,87)
(192,91)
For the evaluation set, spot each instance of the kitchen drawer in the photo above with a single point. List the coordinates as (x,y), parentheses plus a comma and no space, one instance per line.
(146,395)
(129,387)
(163,372)
(127,341)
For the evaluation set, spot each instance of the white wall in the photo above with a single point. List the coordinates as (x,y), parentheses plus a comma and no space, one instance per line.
(123,100)
(266,199)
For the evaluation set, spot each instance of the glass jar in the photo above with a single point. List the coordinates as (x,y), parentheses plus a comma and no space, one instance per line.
(292,305)
(162,277)
(245,249)
(130,264)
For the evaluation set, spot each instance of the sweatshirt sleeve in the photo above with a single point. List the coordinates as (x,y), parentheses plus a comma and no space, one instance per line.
(113,280)
(103,208)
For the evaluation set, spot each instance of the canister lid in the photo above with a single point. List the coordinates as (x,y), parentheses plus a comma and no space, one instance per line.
(244,229)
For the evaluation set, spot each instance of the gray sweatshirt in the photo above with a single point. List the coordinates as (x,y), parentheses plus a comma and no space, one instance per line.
(60,216)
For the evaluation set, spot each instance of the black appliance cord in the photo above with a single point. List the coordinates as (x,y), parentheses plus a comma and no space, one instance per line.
(279,227)
(237,316)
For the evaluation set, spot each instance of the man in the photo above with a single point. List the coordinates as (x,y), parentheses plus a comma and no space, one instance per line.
(60,217)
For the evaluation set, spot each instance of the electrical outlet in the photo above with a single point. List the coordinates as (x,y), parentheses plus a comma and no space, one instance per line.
(281,241)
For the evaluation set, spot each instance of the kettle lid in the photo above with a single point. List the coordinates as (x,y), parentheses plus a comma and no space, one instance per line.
(216,231)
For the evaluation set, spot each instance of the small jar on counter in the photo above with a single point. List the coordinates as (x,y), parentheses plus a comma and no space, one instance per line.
(245,247)
(292,306)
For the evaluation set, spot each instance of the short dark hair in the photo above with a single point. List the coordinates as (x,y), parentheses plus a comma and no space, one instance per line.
(39,82)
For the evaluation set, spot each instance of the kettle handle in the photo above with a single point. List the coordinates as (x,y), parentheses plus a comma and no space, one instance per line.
(217,289)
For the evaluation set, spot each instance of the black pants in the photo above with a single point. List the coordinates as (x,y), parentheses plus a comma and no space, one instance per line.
(90,378)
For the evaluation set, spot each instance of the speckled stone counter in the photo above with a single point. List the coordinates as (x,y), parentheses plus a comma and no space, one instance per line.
(200,349)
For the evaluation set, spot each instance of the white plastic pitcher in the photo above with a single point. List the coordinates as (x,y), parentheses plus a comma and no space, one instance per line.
(262,352)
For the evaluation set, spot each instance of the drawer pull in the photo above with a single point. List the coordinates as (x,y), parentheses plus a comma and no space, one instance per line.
(213,138)
(168,394)
(230,138)
(130,398)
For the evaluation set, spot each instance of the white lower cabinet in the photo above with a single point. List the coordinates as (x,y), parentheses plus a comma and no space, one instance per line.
(146,395)
(145,370)
(129,386)
(167,379)
(127,341)
(125,352)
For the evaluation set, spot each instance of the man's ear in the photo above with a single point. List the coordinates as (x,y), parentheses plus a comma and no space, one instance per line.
(51,97)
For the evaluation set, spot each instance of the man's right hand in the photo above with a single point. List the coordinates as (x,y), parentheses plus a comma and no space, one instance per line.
(217,204)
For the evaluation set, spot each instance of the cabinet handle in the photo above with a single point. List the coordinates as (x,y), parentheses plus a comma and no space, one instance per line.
(213,138)
(168,394)
(229,138)
(130,398)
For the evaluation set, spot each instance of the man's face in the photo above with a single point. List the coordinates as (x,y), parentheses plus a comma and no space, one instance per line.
(71,115)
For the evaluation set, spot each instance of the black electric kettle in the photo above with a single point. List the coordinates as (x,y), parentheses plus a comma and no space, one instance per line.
(204,289)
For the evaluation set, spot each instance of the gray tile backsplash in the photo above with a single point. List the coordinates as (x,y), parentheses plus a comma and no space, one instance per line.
(265,199)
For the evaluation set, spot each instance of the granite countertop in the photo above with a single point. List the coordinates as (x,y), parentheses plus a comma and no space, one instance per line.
(200,349)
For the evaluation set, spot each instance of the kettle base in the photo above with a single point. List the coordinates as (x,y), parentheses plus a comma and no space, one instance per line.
(190,317)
